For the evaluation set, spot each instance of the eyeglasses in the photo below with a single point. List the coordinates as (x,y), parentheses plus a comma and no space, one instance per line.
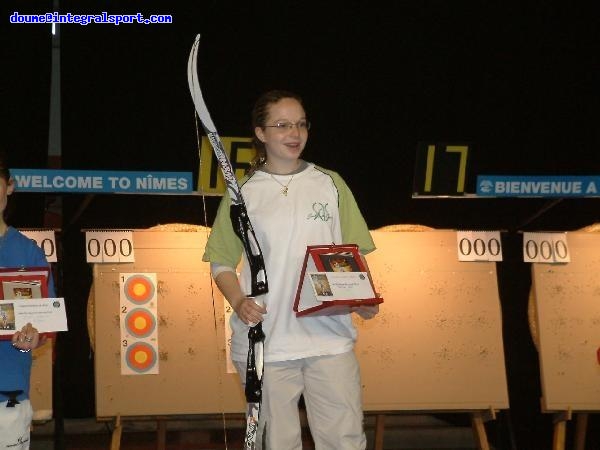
(284,125)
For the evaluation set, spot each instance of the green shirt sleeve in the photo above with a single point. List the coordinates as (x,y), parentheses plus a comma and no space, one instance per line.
(223,246)
(354,227)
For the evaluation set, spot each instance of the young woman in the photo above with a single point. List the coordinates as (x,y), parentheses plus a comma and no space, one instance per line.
(292,204)
(16,250)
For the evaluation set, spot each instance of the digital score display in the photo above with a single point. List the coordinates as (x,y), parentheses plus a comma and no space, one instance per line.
(441,169)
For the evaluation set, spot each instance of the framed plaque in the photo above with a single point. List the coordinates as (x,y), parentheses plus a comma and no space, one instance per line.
(333,280)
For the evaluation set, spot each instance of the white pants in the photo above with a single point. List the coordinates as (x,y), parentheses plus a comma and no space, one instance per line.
(332,395)
(15,426)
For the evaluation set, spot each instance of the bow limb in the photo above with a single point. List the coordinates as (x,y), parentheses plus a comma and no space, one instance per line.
(209,126)
(194,85)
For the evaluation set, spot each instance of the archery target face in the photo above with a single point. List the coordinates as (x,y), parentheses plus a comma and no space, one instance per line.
(139,289)
(140,357)
(140,323)
(138,318)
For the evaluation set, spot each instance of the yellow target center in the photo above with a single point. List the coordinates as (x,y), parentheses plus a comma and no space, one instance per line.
(141,357)
(140,323)
(139,289)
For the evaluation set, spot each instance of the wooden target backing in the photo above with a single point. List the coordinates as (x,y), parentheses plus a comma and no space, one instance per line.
(567,326)
(437,341)
(191,376)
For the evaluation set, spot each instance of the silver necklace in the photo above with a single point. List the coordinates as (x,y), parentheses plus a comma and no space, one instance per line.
(284,189)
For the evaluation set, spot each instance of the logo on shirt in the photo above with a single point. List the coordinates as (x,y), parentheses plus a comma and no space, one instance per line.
(319,211)
(19,442)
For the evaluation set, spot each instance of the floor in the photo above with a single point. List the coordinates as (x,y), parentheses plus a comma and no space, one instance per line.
(402,432)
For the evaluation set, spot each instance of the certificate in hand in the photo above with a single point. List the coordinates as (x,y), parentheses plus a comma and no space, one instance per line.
(341,285)
(20,283)
(333,280)
(45,314)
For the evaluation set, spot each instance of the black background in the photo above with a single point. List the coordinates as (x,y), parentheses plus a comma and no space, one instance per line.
(515,79)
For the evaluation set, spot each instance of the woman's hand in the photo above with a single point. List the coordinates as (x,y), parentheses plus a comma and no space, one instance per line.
(27,339)
(245,307)
(366,311)
(248,310)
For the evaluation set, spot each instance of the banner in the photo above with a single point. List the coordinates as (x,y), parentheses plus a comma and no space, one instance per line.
(91,181)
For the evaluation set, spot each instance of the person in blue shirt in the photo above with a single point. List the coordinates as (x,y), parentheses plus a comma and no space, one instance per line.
(16,250)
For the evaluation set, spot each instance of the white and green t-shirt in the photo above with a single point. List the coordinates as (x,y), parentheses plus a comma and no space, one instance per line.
(318,209)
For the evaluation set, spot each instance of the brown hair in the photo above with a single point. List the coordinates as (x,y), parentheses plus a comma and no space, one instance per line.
(260,112)
(4,171)
(5,175)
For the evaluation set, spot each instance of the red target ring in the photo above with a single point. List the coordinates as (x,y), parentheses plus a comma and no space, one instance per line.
(140,357)
(139,289)
(140,322)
